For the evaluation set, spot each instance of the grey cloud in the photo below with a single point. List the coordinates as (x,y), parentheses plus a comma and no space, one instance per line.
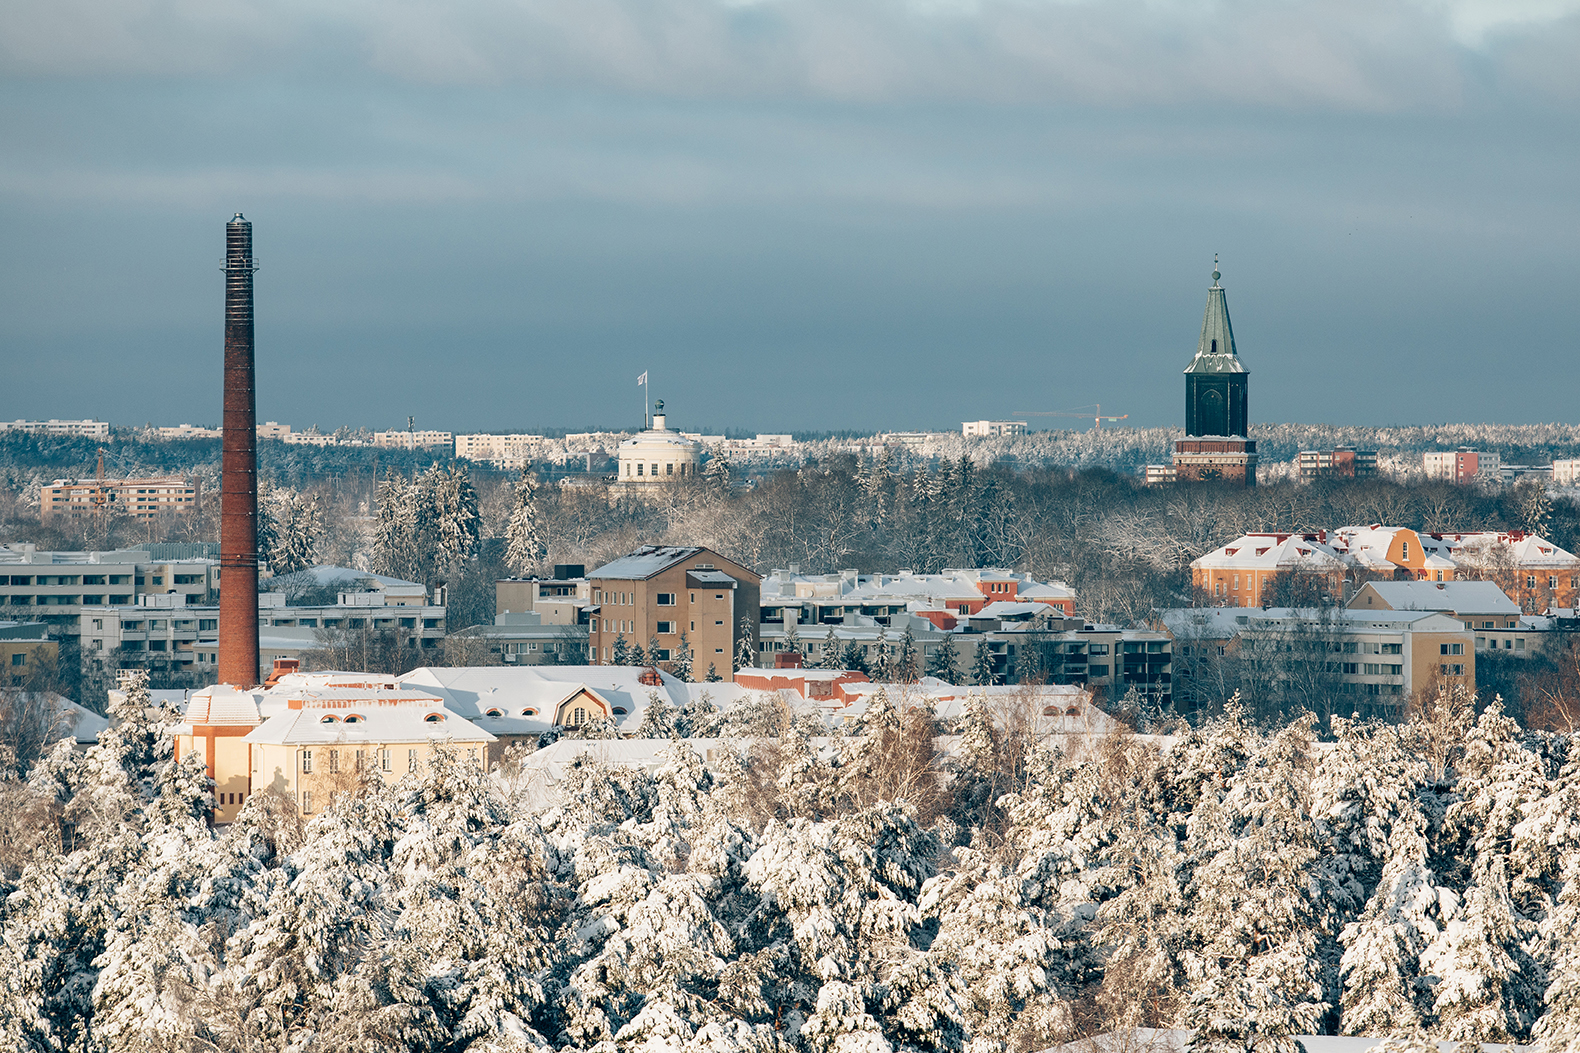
(1382,55)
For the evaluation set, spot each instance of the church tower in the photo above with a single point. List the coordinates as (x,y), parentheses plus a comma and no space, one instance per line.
(1217,420)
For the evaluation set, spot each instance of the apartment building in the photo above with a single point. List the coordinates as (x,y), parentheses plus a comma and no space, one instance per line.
(54,587)
(1566,472)
(510,452)
(1342,463)
(992,428)
(185,431)
(85,429)
(1383,658)
(162,633)
(1462,465)
(412,440)
(74,499)
(661,592)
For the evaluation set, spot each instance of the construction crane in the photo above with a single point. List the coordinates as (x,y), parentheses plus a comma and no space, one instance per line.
(1094,412)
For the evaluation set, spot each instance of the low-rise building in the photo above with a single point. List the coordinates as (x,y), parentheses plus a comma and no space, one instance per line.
(1253,568)
(1566,472)
(75,499)
(564,599)
(824,599)
(85,429)
(54,587)
(524,638)
(992,428)
(1462,465)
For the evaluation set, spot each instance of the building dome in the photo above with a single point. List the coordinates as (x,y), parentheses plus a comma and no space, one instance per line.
(658,455)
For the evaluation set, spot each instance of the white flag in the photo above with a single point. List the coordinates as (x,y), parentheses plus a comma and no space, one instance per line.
(642,379)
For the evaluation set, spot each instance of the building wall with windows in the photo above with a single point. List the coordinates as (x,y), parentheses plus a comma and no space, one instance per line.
(18,644)
(1461,465)
(992,428)
(54,587)
(662,591)
(76,499)
(87,429)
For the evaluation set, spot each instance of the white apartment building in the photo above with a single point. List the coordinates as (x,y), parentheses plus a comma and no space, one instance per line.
(162,633)
(1461,465)
(273,430)
(412,440)
(88,429)
(186,431)
(992,428)
(1567,472)
(509,452)
(54,587)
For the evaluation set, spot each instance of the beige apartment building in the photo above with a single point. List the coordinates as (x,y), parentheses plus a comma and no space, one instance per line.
(661,592)
(138,498)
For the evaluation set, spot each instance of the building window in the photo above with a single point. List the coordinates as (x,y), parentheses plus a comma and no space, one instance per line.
(307,761)
(666,628)
(411,760)
(307,802)
(665,599)
(1451,648)
(1552,581)
(384,759)
(639,469)
(578,716)
(1530,581)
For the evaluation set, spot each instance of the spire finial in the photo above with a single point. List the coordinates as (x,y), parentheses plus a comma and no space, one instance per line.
(1215,274)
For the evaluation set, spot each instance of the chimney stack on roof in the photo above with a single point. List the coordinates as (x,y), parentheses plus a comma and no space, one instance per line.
(238,538)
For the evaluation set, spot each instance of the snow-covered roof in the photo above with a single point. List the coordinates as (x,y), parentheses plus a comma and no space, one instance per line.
(1189,623)
(1006,609)
(344,576)
(1465,597)
(1151,1040)
(473,690)
(1305,552)
(347,715)
(645,562)
(1527,550)
(223,705)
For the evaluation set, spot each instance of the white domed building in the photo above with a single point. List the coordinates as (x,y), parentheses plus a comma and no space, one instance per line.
(658,455)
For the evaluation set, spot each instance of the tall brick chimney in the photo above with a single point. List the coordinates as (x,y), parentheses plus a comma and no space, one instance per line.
(238,532)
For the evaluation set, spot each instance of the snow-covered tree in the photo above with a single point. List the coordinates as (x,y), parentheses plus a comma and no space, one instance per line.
(524,546)
(883,659)
(851,657)
(745,648)
(713,676)
(944,662)
(982,665)
(621,653)
(680,660)
(830,658)
(905,663)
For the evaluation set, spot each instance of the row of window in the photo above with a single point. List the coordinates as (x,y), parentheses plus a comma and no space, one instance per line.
(669,469)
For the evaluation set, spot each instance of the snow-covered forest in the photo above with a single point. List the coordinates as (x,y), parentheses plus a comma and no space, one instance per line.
(872,895)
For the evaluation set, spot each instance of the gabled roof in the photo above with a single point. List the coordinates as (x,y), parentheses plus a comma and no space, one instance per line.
(646,562)
(1215,351)
(1463,597)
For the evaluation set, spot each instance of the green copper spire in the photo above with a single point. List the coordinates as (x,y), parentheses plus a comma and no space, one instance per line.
(1216,384)
(1215,350)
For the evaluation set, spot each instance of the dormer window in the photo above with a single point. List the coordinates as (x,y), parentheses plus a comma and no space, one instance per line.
(329,718)
(433,718)
(495,713)
(354,718)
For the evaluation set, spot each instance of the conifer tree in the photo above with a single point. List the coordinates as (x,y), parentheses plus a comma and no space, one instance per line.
(745,649)
(944,663)
(883,659)
(905,665)
(524,547)
(851,657)
(982,672)
(831,657)
(680,660)
(621,655)
(713,676)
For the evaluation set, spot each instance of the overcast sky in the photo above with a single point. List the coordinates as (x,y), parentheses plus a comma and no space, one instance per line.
(796,214)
